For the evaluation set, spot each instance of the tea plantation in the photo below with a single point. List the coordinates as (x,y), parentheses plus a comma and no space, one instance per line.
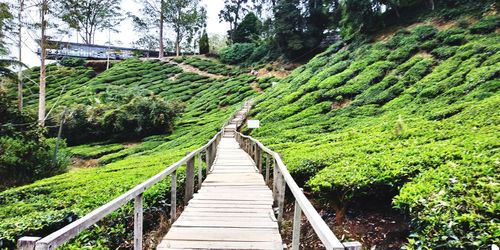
(46,205)
(411,120)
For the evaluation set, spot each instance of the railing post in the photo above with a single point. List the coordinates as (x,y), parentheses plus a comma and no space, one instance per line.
(200,173)
(275,184)
(257,159)
(267,168)
(27,243)
(281,196)
(173,197)
(297,215)
(138,222)
(207,159)
(189,188)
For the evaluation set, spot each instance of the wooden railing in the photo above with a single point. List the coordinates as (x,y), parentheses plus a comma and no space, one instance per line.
(70,231)
(281,179)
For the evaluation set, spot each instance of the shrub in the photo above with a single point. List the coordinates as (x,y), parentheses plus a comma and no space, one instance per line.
(142,116)
(25,154)
(424,32)
(237,53)
(72,62)
(486,25)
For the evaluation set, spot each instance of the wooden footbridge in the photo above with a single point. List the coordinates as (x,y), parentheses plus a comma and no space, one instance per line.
(239,205)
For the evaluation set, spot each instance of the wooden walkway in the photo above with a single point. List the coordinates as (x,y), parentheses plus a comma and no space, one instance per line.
(233,208)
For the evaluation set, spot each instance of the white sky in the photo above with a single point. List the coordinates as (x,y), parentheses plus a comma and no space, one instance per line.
(126,35)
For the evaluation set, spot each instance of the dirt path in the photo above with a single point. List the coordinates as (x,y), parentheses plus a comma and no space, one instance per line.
(189,68)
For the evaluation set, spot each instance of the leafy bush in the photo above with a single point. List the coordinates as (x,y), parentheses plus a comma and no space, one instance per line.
(142,116)
(72,62)
(236,53)
(25,154)
(486,25)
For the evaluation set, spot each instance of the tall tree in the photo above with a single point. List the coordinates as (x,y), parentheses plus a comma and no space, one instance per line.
(19,49)
(153,16)
(248,30)
(44,10)
(186,18)
(204,43)
(233,10)
(89,16)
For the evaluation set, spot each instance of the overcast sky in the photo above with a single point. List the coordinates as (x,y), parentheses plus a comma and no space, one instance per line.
(126,35)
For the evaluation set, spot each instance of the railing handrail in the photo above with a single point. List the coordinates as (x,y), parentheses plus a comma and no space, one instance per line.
(327,237)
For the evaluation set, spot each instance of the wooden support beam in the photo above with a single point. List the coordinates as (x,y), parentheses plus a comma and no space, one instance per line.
(207,159)
(275,184)
(297,216)
(257,159)
(200,173)
(189,188)
(173,197)
(27,243)
(281,197)
(268,163)
(138,218)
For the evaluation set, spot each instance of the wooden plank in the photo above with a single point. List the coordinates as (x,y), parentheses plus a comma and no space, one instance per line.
(179,244)
(226,224)
(224,234)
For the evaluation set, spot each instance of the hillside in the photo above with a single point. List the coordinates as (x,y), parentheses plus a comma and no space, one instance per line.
(46,205)
(409,122)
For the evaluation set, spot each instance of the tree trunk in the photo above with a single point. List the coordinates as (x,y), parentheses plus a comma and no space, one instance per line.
(161,55)
(43,55)
(19,45)
(431,3)
(177,45)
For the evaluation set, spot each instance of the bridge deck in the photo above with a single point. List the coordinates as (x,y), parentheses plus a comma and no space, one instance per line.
(232,210)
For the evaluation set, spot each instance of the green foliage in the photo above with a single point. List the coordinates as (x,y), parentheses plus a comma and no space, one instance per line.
(386,122)
(486,25)
(204,44)
(142,116)
(25,154)
(248,30)
(49,204)
(210,66)
(72,62)
(236,53)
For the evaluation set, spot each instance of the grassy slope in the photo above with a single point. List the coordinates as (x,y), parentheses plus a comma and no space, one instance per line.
(46,205)
(413,119)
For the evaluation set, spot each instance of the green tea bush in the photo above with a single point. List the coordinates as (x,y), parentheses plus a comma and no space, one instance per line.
(385,124)
(486,25)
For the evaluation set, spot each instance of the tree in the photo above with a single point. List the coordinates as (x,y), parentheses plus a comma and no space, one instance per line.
(44,9)
(186,18)
(204,44)
(153,15)
(248,30)
(217,43)
(231,13)
(89,16)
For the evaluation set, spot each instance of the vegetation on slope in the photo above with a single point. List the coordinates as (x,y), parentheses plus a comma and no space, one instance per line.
(413,120)
(46,205)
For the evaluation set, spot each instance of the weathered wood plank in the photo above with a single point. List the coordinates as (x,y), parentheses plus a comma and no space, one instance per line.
(178,244)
